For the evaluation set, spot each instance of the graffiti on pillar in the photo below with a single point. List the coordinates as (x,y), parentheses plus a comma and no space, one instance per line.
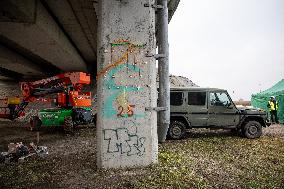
(123,78)
(123,141)
(129,111)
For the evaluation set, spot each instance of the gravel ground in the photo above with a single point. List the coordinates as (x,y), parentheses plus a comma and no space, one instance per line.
(204,159)
(275,130)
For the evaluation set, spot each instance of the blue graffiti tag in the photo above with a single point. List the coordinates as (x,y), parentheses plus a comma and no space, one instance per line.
(108,110)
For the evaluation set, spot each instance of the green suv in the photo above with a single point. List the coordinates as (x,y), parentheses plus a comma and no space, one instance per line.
(211,108)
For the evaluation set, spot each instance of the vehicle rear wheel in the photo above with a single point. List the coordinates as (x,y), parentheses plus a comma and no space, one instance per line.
(252,129)
(35,123)
(68,124)
(176,130)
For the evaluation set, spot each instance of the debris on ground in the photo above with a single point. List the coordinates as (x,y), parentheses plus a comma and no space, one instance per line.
(203,159)
(18,152)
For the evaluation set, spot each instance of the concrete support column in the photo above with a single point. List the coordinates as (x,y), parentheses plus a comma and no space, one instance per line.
(126,78)
(164,80)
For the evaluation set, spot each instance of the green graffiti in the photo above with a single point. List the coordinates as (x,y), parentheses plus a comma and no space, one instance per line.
(119,44)
(108,110)
(127,43)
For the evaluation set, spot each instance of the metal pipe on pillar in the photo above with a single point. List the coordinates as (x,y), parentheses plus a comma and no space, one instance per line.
(163,69)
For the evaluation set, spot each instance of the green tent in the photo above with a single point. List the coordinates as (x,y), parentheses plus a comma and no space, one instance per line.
(261,99)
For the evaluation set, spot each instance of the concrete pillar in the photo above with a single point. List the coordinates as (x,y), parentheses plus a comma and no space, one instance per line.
(126,78)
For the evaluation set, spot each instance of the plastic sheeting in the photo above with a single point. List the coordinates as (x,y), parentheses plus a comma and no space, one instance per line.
(261,99)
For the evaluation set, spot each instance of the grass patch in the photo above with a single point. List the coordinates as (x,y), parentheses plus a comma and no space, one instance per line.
(171,172)
(218,162)
(35,173)
(206,161)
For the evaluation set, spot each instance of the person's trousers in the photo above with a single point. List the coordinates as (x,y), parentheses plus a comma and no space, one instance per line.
(273,116)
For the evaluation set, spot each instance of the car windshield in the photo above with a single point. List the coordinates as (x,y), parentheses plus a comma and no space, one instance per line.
(219,99)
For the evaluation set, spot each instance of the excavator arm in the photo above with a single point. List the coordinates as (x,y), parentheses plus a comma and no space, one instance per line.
(67,86)
(55,84)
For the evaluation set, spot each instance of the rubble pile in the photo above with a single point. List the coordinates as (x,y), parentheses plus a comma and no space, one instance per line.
(17,152)
(178,81)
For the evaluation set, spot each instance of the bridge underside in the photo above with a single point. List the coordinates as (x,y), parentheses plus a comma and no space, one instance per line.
(39,38)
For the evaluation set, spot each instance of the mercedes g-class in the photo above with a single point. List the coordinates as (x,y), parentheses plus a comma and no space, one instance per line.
(211,108)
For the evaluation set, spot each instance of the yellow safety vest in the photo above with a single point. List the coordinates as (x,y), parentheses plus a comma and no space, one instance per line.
(273,106)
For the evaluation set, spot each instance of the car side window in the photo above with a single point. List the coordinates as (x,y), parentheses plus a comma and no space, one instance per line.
(176,98)
(197,98)
(219,99)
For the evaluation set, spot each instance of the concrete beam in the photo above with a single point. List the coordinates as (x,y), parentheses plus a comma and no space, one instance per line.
(3,78)
(17,11)
(67,15)
(126,81)
(172,6)
(44,38)
(13,61)
(87,15)
(8,74)
(34,59)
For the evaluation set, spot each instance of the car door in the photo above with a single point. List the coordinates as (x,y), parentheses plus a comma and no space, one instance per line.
(197,110)
(177,102)
(222,111)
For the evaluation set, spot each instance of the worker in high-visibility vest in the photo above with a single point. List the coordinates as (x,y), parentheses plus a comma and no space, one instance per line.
(273,107)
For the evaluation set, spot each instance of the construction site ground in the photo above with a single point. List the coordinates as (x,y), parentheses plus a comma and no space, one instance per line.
(204,159)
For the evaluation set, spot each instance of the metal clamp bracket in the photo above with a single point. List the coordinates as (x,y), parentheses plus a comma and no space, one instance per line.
(155,6)
(156,56)
(157,109)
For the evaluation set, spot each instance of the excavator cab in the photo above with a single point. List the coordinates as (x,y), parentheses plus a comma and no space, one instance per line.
(9,106)
(73,105)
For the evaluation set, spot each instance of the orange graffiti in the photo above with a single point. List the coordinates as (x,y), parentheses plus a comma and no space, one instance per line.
(121,60)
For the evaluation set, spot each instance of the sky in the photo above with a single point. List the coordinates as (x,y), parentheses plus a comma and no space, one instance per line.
(236,45)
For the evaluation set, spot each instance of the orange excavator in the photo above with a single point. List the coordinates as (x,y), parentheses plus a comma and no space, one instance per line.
(73,105)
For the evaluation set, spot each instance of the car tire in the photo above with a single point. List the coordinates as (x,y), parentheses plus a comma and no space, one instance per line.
(176,130)
(252,129)
(68,125)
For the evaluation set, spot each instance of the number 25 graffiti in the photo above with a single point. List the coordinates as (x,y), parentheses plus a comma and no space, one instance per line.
(129,111)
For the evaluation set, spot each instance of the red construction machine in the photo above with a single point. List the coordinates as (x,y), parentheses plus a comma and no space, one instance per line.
(73,105)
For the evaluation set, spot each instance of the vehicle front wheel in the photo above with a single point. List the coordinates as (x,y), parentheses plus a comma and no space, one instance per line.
(176,130)
(68,124)
(35,123)
(252,129)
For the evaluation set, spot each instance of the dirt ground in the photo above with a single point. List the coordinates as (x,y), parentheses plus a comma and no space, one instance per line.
(194,162)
